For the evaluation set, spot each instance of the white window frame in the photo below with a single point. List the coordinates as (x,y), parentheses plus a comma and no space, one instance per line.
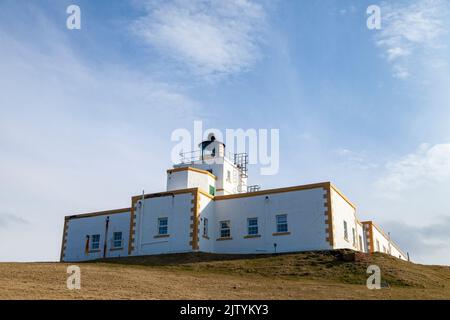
(166,226)
(227,228)
(117,241)
(95,245)
(252,227)
(279,225)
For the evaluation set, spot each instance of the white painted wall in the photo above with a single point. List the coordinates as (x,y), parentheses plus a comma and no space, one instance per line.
(177,180)
(206,243)
(187,179)
(177,209)
(380,239)
(366,237)
(235,184)
(361,244)
(79,228)
(219,167)
(305,211)
(343,211)
(385,246)
(396,252)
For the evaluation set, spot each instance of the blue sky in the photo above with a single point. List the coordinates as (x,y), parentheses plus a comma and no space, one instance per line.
(86,115)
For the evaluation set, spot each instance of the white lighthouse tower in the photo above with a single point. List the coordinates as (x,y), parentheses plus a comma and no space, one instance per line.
(210,169)
(212,150)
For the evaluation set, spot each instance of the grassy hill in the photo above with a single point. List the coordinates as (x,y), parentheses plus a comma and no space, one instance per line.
(308,275)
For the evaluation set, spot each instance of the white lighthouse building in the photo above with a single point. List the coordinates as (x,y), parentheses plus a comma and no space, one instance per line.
(208,207)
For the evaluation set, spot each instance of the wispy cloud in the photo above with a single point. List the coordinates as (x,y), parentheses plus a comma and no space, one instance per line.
(7,220)
(347,10)
(355,160)
(209,38)
(411,33)
(430,164)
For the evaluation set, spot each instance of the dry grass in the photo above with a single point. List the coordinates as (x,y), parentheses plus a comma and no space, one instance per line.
(313,275)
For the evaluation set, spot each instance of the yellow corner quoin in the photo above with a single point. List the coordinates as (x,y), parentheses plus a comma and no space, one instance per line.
(193,170)
(369,224)
(329,214)
(195,215)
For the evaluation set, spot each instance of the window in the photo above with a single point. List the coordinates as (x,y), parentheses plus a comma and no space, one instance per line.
(384,249)
(228,175)
(378,246)
(282,225)
(212,190)
(354,237)
(225,231)
(117,239)
(162,226)
(95,244)
(252,226)
(360,243)
(345,231)
(205,227)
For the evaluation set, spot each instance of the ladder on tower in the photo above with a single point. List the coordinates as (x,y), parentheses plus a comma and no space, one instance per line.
(241,162)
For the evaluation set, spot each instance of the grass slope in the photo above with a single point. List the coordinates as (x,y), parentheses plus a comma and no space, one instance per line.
(307,275)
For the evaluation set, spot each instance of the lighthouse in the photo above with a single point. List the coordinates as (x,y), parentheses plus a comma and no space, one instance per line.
(208,207)
(211,148)
(211,169)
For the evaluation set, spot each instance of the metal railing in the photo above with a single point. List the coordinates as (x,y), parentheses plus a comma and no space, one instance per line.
(253,188)
(196,155)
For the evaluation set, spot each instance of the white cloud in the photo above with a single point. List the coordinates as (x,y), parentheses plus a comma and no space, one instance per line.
(411,33)
(210,38)
(355,160)
(396,52)
(401,72)
(430,164)
(7,220)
